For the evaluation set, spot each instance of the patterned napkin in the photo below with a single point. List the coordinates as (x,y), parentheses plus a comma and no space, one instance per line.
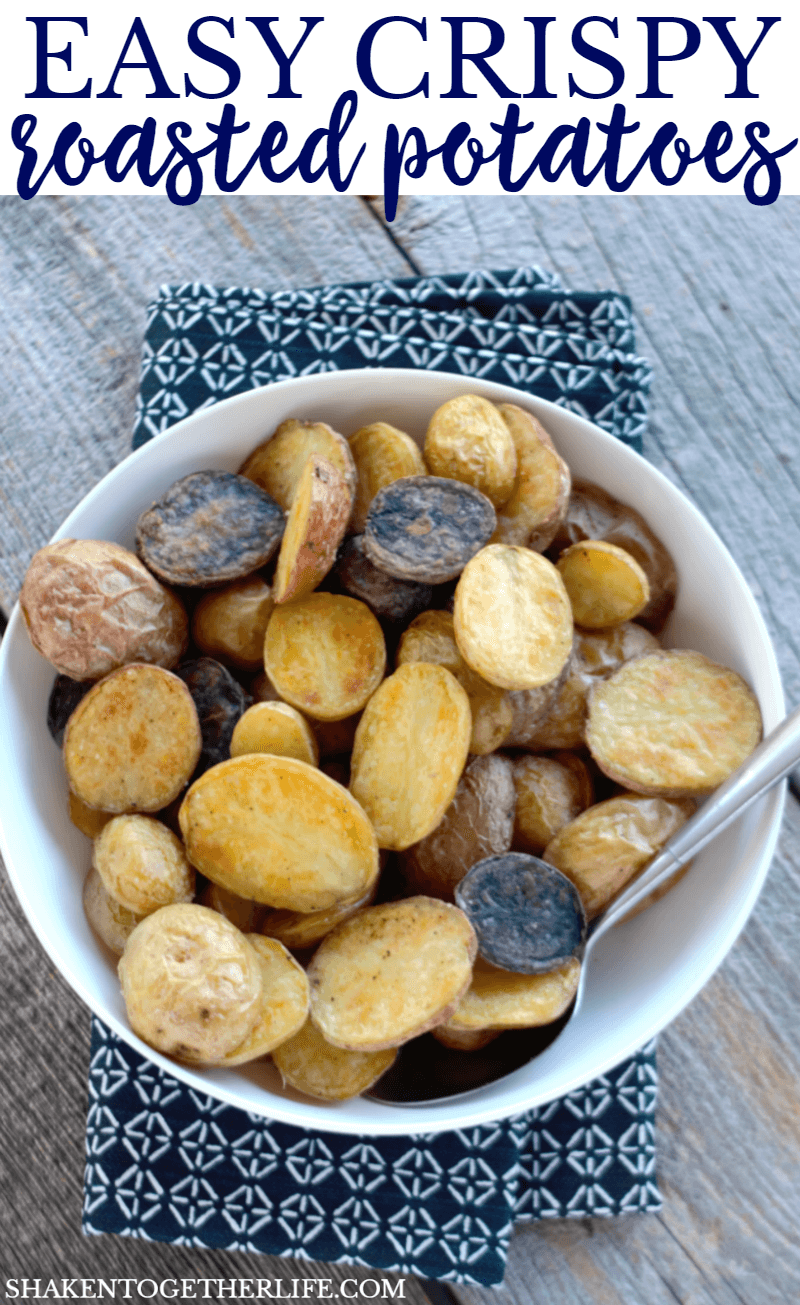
(168,1164)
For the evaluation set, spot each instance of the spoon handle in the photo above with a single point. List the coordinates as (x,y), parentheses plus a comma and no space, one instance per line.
(766,766)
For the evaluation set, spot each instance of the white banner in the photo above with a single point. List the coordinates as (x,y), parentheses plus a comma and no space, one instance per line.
(188,98)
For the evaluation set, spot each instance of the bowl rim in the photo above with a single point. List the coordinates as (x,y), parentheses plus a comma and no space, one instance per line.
(427,1118)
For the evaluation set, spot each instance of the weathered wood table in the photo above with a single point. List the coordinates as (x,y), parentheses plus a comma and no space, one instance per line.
(715,286)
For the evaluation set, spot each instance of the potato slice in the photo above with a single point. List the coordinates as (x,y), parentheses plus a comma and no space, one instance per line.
(112,922)
(300,929)
(142,864)
(230,623)
(468,440)
(409,752)
(277,831)
(246,915)
(431,638)
(277,728)
(314,530)
(498,999)
(311,1065)
(87,819)
(278,463)
(606,586)
(382,453)
(672,723)
(390,599)
(390,973)
(608,845)
(549,795)
(133,742)
(512,617)
(325,654)
(464,1039)
(284,1004)
(538,502)
(479,822)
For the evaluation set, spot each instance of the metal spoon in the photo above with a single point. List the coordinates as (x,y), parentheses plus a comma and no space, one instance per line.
(426,1073)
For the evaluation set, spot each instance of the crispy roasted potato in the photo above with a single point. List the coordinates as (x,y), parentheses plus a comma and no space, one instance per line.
(112,922)
(133,742)
(538,502)
(549,795)
(426,528)
(310,1064)
(512,617)
(278,463)
(325,654)
(246,915)
(672,723)
(608,845)
(142,864)
(390,973)
(382,453)
(388,597)
(464,1039)
(277,728)
(230,623)
(88,820)
(277,831)
(410,748)
(606,586)
(498,999)
(468,440)
(284,1002)
(300,929)
(314,530)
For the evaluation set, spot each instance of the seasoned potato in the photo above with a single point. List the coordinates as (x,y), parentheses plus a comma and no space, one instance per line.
(498,999)
(191,983)
(608,845)
(464,1039)
(389,598)
(310,1064)
(90,607)
(112,922)
(390,973)
(382,453)
(530,707)
(230,623)
(602,652)
(512,617)
(549,795)
(277,464)
(672,723)
(538,502)
(277,831)
(314,530)
(431,638)
(325,654)
(284,1002)
(277,728)
(479,822)
(468,440)
(133,742)
(594,514)
(409,751)
(246,915)
(300,929)
(87,819)
(606,586)
(219,700)
(142,864)
(426,528)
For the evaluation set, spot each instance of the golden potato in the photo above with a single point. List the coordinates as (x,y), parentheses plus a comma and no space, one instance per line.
(300,929)
(133,742)
(538,502)
(87,819)
(390,973)
(381,453)
(608,845)
(464,1039)
(277,831)
(325,654)
(409,752)
(230,623)
(284,1003)
(314,530)
(468,440)
(191,983)
(500,999)
(278,463)
(606,586)
(601,652)
(246,915)
(142,864)
(549,795)
(277,728)
(512,617)
(672,723)
(112,922)
(311,1065)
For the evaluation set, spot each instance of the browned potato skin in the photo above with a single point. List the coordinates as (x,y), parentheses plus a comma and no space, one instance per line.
(112,922)
(382,454)
(468,440)
(499,999)
(87,819)
(91,606)
(390,973)
(229,624)
(538,502)
(594,514)
(142,864)
(464,1039)
(314,530)
(277,464)
(549,795)
(313,1066)
(479,822)
(607,846)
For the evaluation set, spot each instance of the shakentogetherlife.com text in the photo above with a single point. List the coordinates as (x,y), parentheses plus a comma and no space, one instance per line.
(218,1289)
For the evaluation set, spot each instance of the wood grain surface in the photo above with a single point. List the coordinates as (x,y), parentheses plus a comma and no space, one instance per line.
(714,284)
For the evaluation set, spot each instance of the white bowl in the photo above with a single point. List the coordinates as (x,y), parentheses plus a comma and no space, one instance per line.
(641,976)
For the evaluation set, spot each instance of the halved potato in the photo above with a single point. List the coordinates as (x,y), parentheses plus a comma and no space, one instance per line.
(230,623)
(246,915)
(112,922)
(142,864)
(284,1004)
(390,973)
(538,502)
(300,929)
(500,999)
(382,453)
(468,440)
(314,530)
(88,820)
(277,728)
(310,1064)
(464,1039)
(606,586)
(549,795)
(277,464)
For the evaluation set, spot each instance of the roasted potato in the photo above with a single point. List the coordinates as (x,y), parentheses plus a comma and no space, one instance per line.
(112,922)
(606,586)
(310,1064)
(538,502)
(230,623)
(284,1002)
(497,999)
(314,530)
(382,453)
(142,864)
(468,440)
(277,465)
(549,794)
(277,728)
